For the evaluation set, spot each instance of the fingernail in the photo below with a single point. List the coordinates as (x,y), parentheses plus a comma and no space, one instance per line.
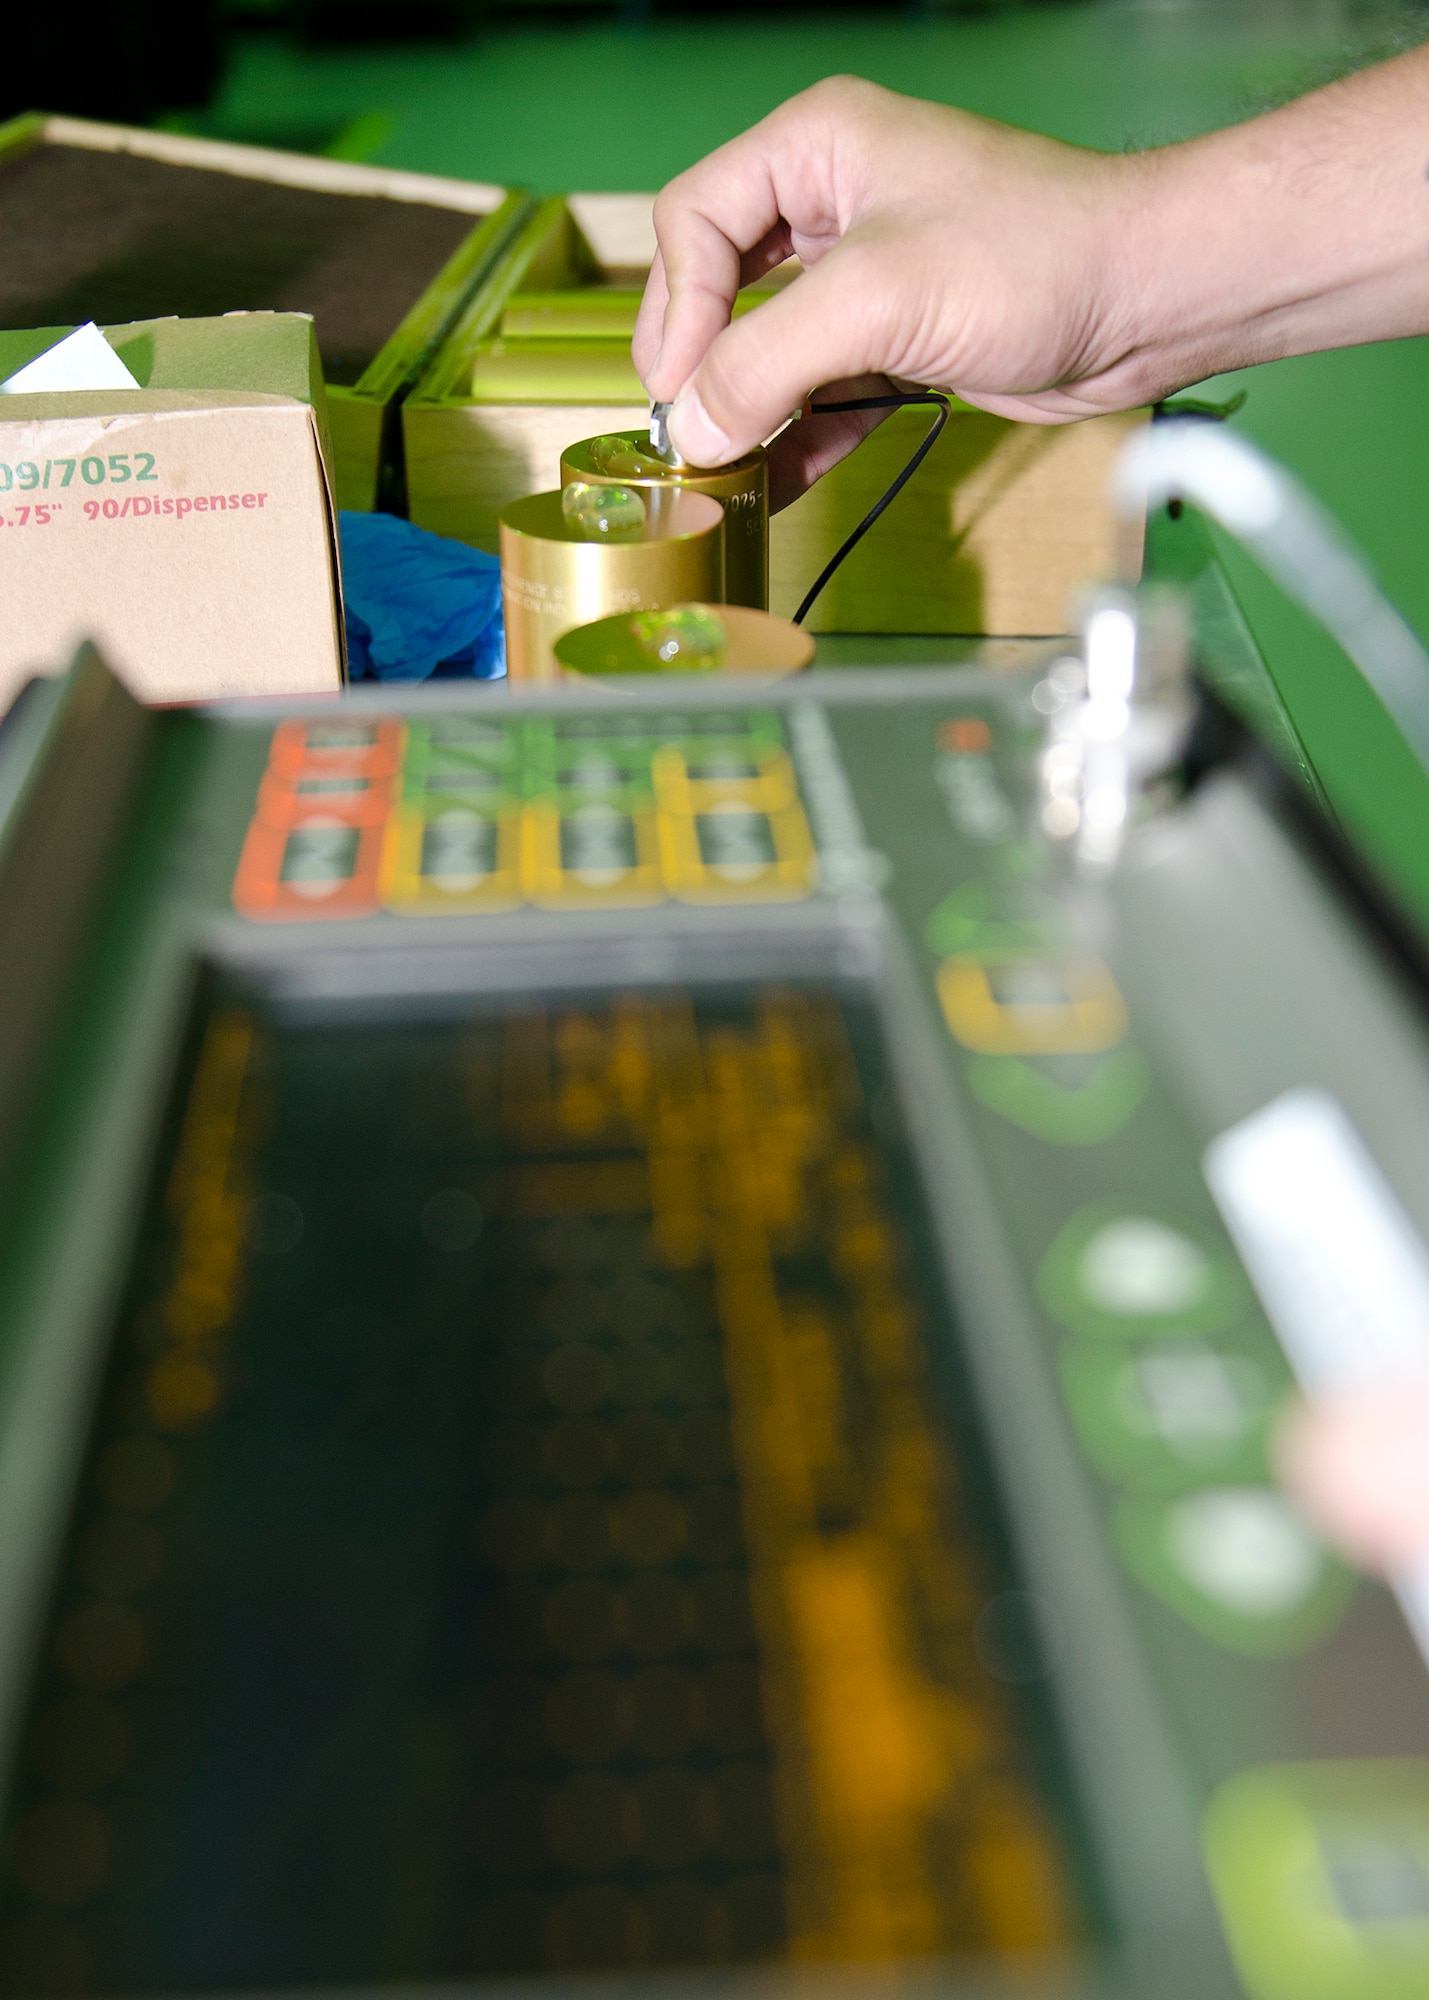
(694,436)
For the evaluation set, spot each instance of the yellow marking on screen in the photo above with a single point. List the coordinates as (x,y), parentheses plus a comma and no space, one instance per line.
(1088,1015)
(789,877)
(207,1197)
(403,887)
(906,1827)
(881,1753)
(602,1187)
(772,787)
(551,885)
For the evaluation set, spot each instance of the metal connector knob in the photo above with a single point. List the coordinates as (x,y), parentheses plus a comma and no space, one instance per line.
(660,434)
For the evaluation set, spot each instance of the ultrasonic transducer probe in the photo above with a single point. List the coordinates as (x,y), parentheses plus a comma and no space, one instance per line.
(660,434)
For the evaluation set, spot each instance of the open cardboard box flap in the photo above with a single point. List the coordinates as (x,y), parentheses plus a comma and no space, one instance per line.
(186,526)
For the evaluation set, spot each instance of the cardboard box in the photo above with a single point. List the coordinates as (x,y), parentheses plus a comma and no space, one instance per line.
(186,526)
(107,223)
(993,535)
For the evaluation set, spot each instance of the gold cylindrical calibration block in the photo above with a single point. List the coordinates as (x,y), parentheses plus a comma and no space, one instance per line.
(555,574)
(742,489)
(687,639)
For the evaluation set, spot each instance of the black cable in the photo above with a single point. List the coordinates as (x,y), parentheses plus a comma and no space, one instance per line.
(945,410)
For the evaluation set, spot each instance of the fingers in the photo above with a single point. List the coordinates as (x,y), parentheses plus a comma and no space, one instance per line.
(935,246)
(767,255)
(650,321)
(741,211)
(808,449)
(706,221)
(700,268)
(773,249)
(1360,1468)
(824,327)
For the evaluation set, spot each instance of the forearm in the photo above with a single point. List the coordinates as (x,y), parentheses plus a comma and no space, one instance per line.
(1303,229)
(1040,281)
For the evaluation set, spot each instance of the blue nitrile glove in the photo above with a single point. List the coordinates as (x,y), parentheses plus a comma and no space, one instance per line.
(418,604)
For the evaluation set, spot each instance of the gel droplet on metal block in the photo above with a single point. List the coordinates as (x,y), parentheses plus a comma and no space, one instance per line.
(604,513)
(617,457)
(686,637)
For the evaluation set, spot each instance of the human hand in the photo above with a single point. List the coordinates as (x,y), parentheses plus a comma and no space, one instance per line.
(938,248)
(1033,279)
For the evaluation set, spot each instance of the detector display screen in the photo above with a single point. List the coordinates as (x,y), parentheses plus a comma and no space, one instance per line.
(532,1524)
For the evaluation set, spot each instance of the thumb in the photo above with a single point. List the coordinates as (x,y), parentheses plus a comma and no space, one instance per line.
(759,369)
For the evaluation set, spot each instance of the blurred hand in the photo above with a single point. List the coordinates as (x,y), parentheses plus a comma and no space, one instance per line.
(1359,1466)
(1034,279)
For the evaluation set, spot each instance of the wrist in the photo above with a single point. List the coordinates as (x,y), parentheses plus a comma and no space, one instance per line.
(1221,272)
(1186,290)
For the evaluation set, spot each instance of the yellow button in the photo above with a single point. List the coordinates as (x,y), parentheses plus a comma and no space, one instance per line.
(1031,1006)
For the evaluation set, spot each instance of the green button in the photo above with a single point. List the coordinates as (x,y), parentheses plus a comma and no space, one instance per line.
(1092,1104)
(1237,1563)
(978,916)
(1321,1872)
(1168,1415)
(1119,1274)
(449,762)
(466,732)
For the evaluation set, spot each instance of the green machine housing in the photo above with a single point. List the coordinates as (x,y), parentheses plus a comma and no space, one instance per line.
(616,1363)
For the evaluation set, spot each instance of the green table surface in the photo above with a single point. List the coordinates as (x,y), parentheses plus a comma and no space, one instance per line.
(555,102)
